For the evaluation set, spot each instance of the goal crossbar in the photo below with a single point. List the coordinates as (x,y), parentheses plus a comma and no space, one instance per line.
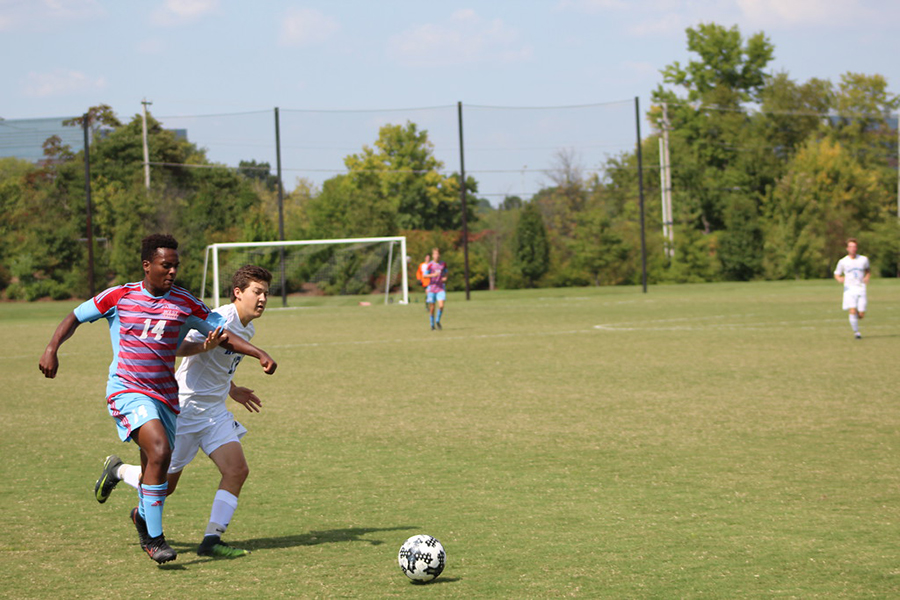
(212,252)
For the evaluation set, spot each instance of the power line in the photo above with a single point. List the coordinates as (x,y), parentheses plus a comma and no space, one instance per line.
(795,113)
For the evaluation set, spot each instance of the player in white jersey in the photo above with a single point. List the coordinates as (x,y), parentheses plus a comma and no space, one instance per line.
(204,384)
(853,271)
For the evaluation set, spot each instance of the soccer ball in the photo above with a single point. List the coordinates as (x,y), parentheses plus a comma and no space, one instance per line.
(422,558)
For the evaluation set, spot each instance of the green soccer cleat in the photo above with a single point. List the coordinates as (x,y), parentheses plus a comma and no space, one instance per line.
(109,478)
(213,546)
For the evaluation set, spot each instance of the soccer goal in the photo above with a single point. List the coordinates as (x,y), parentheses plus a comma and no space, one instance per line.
(351,266)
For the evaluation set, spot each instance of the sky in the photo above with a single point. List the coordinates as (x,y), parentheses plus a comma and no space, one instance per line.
(210,57)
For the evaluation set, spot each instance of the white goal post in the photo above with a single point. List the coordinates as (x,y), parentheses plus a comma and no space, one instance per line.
(212,255)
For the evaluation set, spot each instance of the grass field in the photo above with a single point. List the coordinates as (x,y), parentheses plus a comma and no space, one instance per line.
(714,441)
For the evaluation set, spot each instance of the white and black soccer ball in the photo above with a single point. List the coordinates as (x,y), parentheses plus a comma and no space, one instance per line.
(422,558)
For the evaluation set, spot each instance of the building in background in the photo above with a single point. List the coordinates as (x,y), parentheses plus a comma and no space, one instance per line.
(24,138)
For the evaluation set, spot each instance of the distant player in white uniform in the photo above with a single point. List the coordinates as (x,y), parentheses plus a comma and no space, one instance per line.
(204,384)
(853,271)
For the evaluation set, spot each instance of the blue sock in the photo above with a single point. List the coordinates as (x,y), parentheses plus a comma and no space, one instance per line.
(140,505)
(440,311)
(153,499)
(432,320)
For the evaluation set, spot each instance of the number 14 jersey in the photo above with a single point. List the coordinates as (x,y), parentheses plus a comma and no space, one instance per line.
(145,331)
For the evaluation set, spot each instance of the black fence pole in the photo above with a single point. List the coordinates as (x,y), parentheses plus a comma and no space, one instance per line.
(462,197)
(640,172)
(87,198)
(280,207)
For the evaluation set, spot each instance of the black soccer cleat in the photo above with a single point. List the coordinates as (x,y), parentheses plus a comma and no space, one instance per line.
(159,550)
(141,525)
(438,324)
(109,478)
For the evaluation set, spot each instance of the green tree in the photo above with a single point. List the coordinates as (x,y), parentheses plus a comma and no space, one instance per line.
(825,197)
(402,172)
(397,184)
(709,134)
(490,244)
(727,64)
(741,243)
(864,106)
(259,171)
(532,246)
(601,249)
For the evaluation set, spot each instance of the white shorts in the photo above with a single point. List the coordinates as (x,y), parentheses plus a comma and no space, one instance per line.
(855,297)
(203,431)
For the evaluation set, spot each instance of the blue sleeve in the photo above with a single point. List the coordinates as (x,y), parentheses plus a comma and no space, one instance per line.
(203,326)
(87,312)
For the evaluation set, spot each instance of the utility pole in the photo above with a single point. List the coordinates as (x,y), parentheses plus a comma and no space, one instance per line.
(640,175)
(665,177)
(462,197)
(86,125)
(144,103)
(280,207)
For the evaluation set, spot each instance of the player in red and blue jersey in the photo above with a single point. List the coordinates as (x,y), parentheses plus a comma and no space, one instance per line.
(436,293)
(147,321)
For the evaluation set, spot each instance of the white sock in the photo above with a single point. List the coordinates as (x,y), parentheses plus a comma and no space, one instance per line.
(224,505)
(130,474)
(854,323)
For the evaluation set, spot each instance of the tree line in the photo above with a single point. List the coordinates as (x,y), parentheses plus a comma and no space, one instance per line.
(769,177)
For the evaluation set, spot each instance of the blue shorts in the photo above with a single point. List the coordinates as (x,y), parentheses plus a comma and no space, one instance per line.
(431,297)
(131,410)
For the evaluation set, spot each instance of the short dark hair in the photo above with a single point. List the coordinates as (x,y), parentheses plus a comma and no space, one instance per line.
(852,240)
(151,243)
(246,275)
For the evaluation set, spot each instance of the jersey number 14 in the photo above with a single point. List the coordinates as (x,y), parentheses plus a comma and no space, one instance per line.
(158,330)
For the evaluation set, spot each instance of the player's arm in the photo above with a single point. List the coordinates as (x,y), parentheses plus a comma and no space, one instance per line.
(232,342)
(866,276)
(191,347)
(49,362)
(236,344)
(246,397)
(839,273)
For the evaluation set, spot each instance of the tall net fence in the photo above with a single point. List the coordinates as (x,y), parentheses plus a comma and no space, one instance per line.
(508,151)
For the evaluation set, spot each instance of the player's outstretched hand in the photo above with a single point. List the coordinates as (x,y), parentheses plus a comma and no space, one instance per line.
(49,364)
(268,363)
(245,396)
(214,338)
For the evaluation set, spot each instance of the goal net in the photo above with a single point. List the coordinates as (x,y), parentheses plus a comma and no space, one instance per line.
(374,267)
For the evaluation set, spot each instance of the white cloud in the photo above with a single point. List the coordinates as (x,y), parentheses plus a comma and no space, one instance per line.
(640,67)
(665,24)
(178,12)
(60,82)
(592,6)
(151,46)
(464,38)
(780,13)
(306,27)
(44,14)
(665,17)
